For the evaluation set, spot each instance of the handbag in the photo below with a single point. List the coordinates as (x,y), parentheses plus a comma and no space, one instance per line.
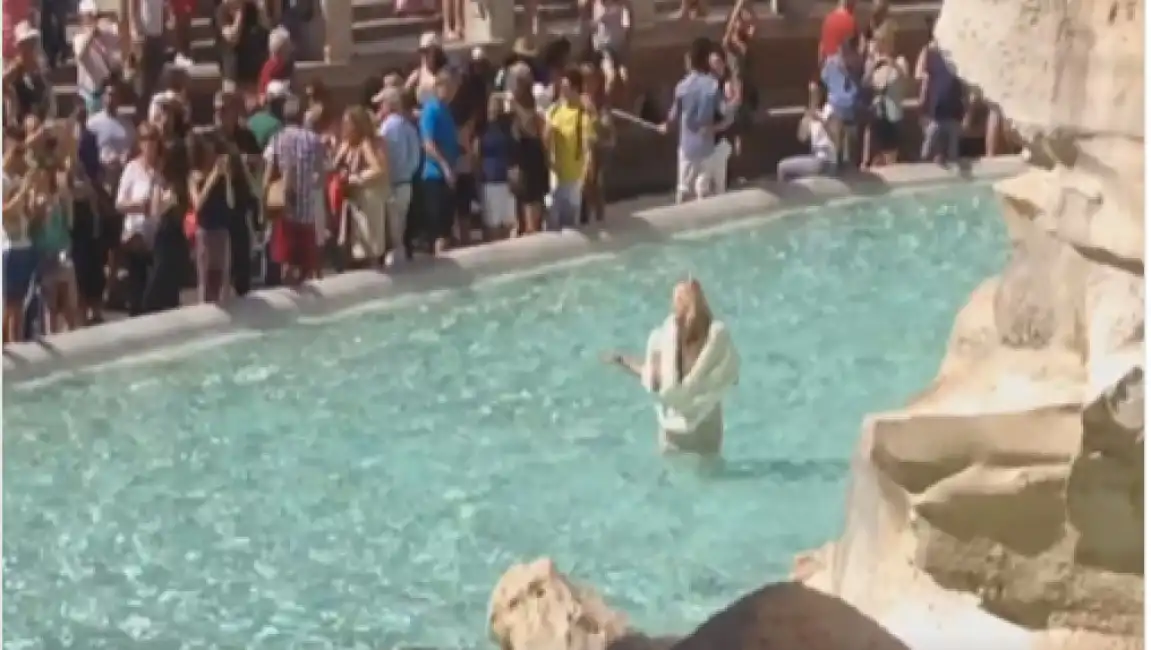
(190,226)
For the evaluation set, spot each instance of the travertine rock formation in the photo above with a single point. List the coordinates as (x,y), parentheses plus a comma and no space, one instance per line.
(535,607)
(1009,495)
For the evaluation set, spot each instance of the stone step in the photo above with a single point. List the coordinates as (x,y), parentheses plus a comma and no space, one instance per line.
(372,10)
(374,18)
(364,10)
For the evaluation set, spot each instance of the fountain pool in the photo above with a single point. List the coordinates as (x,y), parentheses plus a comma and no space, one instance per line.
(362,484)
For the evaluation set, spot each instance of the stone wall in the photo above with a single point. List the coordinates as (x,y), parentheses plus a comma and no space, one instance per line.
(1009,494)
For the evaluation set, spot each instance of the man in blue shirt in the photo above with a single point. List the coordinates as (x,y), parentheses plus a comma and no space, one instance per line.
(402,144)
(442,151)
(115,136)
(698,107)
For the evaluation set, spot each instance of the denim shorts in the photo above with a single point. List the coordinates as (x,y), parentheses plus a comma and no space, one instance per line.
(565,206)
(19,268)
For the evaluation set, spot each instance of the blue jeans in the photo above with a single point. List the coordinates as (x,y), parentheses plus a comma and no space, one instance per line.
(565,207)
(941,140)
(803,166)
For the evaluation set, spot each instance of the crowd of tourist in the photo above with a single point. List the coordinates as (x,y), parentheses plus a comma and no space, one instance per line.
(124,204)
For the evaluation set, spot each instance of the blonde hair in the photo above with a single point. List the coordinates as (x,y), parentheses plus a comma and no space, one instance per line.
(690,306)
(884,38)
(361,122)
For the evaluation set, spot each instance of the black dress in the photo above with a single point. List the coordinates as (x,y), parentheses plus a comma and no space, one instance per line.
(88,250)
(170,261)
(241,62)
(529,157)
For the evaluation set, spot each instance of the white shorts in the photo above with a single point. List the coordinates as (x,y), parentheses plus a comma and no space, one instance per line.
(692,178)
(138,224)
(717,167)
(497,205)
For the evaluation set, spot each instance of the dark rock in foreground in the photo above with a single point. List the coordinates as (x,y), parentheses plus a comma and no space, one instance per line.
(536,607)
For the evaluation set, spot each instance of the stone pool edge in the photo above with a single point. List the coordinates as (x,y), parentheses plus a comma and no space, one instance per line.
(271,308)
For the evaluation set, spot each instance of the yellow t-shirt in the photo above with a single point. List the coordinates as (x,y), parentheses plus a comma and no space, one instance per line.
(568,124)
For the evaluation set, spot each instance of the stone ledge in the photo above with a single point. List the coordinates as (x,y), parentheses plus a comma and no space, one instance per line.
(271,308)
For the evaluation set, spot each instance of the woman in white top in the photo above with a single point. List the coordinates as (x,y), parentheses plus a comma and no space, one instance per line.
(140,184)
(817,127)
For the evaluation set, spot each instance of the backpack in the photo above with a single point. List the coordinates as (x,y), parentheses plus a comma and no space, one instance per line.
(882,105)
(305,9)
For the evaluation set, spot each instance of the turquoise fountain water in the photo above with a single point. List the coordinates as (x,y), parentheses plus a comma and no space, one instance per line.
(362,484)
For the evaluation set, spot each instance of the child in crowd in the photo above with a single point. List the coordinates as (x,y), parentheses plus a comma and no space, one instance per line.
(495,148)
(570,136)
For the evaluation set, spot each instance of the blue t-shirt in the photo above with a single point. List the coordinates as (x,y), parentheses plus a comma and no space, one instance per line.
(842,88)
(496,150)
(698,104)
(437,125)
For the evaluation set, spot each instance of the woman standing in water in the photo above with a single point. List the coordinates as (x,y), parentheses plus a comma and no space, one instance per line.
(690,365)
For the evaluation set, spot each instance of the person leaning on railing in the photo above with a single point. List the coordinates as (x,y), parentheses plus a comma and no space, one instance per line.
(819,127)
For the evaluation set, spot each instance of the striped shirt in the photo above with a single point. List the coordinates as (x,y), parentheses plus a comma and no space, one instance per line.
(302,158)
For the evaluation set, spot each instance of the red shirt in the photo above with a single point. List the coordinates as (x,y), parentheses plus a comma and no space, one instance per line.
(274,68)
(182,7)
(838,27)
(14,12)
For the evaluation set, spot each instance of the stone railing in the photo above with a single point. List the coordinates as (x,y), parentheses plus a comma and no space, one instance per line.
(485,21)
